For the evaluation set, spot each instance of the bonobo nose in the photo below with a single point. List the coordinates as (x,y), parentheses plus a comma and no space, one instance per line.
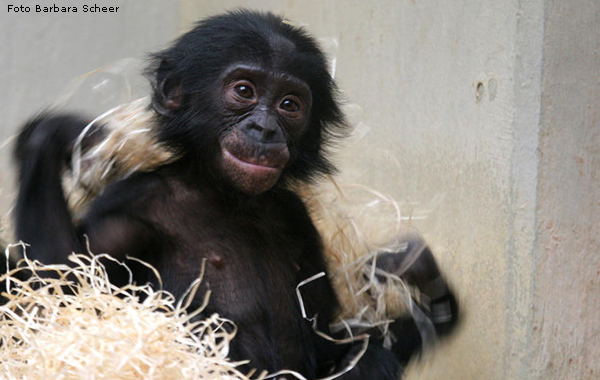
(263,132)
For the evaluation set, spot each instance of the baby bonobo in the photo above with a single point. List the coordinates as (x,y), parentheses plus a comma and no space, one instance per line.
(248,103)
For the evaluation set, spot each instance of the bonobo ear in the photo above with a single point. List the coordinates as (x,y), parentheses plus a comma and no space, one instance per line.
(168,86)
(168,96)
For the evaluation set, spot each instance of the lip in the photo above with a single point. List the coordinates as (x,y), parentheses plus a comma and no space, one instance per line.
(248,165)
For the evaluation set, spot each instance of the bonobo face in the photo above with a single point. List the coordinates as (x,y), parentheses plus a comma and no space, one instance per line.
(249,101)
(264,113)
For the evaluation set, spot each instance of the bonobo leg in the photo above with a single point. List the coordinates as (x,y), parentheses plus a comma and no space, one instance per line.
(438,308)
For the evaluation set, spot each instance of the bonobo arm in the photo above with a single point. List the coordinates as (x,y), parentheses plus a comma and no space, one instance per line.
(417,266)
(42,217)
(320,301)
(43,220)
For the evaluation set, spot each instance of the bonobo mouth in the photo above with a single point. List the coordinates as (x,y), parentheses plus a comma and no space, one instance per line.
(250,168)
(259,165)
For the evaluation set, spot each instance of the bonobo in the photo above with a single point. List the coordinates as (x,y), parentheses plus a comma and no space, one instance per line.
(247,102)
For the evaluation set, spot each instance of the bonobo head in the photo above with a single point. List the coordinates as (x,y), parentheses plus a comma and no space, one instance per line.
(248,98)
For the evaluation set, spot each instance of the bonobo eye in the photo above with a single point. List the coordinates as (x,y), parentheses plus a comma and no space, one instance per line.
(290,105)
(240,94)
(244,90)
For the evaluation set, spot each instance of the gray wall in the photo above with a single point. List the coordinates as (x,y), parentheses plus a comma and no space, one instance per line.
(565,328)
(481,116)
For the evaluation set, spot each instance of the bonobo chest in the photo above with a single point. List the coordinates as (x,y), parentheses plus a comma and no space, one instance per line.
(251,253)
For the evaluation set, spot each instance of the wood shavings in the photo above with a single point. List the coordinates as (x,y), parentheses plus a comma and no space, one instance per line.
(77,325)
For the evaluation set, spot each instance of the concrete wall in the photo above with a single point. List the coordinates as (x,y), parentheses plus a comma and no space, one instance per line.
(565,336)
(480,116)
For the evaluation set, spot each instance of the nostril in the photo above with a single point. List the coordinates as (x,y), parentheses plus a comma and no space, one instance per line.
(252,127)
(261,132)
(257,127)
(258,132)
(268,133)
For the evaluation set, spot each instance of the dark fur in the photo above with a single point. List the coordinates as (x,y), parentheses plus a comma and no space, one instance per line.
(258,244)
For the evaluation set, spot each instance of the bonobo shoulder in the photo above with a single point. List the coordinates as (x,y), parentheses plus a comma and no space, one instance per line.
(288,198)
(129,195)
(296,214)
(291,204)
